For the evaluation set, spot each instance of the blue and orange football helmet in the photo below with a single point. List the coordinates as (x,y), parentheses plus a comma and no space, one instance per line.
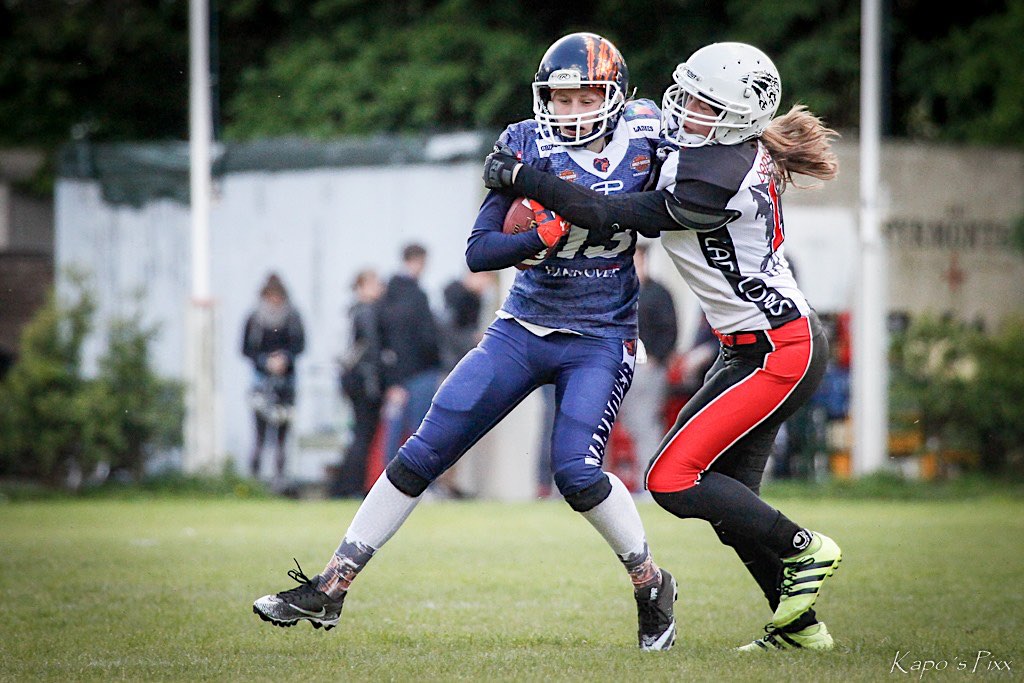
(580,60)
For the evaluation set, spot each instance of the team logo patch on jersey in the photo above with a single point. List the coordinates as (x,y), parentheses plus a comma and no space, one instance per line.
(545,148)
(641,163)
(568,175)
(607,186)
(602,164)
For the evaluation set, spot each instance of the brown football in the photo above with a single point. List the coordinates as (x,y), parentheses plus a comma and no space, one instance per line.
(519,217)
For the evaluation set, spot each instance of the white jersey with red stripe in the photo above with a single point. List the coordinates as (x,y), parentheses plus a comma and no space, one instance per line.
(738,270)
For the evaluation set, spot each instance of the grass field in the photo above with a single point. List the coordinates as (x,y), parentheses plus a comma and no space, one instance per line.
(162,589)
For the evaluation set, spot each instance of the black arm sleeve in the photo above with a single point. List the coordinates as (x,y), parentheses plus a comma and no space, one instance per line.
(641,211)
(649,213)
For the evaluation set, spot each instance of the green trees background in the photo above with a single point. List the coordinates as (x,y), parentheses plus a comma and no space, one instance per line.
(118,69)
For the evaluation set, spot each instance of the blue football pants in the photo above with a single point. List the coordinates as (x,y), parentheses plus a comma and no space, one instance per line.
(590,374)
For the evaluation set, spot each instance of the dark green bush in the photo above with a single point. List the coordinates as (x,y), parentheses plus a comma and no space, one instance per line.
(996,398)
(45,411)
(55,423)
(963,388)
(138,412)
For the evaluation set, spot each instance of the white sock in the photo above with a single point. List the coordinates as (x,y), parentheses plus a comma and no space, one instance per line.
(617,520)
(382,512)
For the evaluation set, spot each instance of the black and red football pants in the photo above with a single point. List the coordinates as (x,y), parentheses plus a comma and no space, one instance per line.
(710,464)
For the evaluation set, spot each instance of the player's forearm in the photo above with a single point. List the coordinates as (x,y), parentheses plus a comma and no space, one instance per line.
(494,250)
(488,248)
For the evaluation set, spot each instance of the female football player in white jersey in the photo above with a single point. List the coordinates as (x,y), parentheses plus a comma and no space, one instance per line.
(569,320)
(725,161)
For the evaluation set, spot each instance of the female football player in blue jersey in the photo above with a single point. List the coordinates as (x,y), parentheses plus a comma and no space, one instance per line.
(725,162)
(570,319)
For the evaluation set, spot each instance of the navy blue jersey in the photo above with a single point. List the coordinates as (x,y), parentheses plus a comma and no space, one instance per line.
(590,289)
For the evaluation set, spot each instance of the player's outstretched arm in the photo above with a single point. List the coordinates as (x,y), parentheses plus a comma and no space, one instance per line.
(646,212)
(649,213)
(641,211)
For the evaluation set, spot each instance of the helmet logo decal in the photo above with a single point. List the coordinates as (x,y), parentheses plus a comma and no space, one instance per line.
(766,86)
(565,78)
(602,60)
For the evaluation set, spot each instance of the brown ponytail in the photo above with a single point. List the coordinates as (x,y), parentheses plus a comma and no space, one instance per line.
(801,144)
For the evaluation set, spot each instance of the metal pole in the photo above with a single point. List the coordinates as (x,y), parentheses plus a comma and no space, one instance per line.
(870,337)
(200,427)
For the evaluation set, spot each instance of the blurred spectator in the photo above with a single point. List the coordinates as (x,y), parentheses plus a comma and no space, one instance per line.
(643,407)
(361,382)
(410,356)
(461,331)
(463,304)
(273,338)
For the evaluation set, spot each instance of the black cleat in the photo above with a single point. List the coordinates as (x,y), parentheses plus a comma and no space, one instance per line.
(289,607)
(654,611)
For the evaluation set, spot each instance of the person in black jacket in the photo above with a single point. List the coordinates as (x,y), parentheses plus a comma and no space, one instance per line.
(273,338)
(411,350)
(361,382)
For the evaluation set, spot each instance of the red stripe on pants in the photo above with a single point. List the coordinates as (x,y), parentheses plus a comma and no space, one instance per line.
(733,413)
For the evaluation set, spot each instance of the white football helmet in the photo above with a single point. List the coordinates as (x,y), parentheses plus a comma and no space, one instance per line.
(739,81)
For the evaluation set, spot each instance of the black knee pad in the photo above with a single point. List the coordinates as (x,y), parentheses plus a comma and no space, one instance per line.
(590,497)
(405,480)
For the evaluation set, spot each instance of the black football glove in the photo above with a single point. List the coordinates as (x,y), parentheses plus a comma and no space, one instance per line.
(499,167)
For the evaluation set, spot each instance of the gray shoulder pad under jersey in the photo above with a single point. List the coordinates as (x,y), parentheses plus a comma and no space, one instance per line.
(699,218)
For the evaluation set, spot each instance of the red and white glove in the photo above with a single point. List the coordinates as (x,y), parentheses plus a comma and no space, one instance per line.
(550,226)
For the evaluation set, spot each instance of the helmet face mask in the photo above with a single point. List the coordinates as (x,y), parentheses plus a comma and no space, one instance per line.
(580,60)
(739,81)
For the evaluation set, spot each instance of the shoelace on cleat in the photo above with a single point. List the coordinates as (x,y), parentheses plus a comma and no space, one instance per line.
(791,569)
(306,584)
(775,637)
